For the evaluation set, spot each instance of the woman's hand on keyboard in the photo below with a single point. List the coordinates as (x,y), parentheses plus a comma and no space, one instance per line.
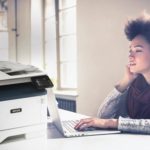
(96,122)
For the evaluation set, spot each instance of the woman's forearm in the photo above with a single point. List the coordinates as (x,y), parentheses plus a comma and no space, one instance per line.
(122,86)
(111,123)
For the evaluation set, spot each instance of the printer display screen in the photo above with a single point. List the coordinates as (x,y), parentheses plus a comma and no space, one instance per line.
(42,82)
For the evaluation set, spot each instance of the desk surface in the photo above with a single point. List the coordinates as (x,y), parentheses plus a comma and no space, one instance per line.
(102,142)
(56,141)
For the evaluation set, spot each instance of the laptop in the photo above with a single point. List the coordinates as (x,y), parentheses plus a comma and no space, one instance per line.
(66,127)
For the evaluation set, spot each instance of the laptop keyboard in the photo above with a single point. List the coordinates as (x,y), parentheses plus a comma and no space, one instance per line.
(69,125)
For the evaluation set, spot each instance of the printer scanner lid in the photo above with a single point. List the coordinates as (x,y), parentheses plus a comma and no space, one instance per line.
(11,73)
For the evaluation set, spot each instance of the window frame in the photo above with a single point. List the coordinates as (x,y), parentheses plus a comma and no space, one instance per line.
(58,37)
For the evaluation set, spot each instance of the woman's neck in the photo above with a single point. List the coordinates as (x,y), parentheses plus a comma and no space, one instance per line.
(147,77)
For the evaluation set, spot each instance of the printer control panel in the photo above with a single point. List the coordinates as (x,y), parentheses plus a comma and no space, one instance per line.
(42,82)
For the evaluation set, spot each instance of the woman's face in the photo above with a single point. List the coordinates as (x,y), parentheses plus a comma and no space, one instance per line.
(139,55)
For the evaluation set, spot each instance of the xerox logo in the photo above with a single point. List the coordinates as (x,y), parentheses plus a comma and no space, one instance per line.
(16,110)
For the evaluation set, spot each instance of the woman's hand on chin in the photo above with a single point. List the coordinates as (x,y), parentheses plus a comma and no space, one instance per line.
(126,80)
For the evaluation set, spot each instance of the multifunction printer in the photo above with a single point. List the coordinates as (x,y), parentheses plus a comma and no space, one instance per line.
(23,100)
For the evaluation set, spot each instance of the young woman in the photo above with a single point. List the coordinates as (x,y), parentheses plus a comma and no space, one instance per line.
(127,107)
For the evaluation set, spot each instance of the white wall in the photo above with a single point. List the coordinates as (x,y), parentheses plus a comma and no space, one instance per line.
(102,47)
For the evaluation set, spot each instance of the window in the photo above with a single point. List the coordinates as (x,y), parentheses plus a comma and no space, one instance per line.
(50,63)
(67,43)
(3,31)
(60,42)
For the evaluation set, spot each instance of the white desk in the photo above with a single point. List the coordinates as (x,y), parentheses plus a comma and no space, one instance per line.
(100,142)
(56,141)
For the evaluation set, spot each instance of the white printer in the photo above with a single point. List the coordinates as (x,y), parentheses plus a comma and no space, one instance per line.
(23,100)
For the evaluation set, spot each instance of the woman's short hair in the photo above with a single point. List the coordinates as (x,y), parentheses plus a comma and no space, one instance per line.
(138,26)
